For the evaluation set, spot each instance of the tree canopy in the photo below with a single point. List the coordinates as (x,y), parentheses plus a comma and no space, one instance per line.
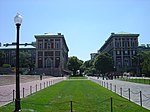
(103,63)
(25,60)
(1,58)
(146,63)
(74,64)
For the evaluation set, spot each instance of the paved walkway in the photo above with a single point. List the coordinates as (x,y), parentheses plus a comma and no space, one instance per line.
(128,90)
(7,92)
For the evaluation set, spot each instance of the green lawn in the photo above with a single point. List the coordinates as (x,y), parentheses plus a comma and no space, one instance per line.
(143,81)
(86,96)
(77,77)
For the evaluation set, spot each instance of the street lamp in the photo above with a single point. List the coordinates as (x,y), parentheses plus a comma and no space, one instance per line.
(18,21)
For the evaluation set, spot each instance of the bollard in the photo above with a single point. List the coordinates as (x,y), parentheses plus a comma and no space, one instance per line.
(115,88)
(44,84)
(121,91)
(141,98)
(129,94)
(111,86)
(111,105)
(107,85)
(23,93)
(13,95)
(40,86)
(71,106)
(30,90)
(36,87)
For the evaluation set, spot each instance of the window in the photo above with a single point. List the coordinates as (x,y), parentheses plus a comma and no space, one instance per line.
(118,62)
(126,62)
(118,52)
(40,53)
(48,44)
(49,53)
(40,63)
(45,46)
(118,44)
(133,52)
(57,61)
(40,45)
(52,43)
(57,53)
(125,52)
(57,43)
(48,62)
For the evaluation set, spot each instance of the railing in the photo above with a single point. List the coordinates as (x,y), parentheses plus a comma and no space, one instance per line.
(107,104)
(135,96)
(10,97)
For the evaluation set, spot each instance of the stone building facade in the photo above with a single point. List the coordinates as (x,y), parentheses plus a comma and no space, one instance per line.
(51,54)
(121,46)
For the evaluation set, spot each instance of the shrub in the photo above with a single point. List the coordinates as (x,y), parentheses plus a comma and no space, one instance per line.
(6,65)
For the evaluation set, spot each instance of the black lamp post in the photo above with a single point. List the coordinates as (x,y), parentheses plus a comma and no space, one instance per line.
(18,21)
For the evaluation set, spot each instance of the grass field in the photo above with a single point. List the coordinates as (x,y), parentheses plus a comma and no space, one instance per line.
(142,81)
(76,95)
(77,77)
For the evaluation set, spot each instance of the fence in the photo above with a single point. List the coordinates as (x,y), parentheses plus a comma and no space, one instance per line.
(136,97)
(106,105)
(10,97)
(136,80)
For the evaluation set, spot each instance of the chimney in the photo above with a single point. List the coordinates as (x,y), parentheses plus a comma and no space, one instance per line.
(59,33)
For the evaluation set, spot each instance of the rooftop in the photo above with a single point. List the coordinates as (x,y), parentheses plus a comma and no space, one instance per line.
(20,46)
(49,35)
(122,32)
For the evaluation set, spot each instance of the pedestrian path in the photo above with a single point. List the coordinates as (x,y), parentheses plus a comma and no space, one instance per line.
(8,92)
(135,92)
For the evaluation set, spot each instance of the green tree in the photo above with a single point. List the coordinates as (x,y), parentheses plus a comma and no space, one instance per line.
(146,63)
(89,68)
(74,64)
(25,60)
(1,58)
(137,62)
(103,63)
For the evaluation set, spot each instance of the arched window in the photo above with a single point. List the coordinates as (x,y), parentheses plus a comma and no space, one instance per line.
(49,63)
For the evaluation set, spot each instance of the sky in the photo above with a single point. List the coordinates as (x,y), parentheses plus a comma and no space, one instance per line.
(86,24)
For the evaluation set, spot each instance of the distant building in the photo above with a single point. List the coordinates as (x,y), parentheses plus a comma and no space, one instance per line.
(10,52)
(144,47)
(93,55)
(121,46)
(51,54)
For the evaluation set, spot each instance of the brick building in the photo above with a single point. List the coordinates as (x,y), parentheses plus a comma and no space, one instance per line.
(51,54)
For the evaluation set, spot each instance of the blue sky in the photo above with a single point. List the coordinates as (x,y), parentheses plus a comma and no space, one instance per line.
(86,24)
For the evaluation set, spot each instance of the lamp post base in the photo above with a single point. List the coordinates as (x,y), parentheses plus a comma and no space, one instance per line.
(17,106)
(17,111)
